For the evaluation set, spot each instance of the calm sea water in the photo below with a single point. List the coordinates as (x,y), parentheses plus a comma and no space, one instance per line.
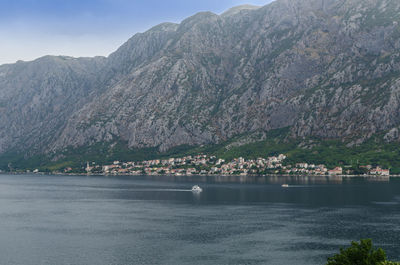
(140,220)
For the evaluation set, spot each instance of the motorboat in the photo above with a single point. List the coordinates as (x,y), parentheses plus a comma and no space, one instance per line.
(285,185)
(196,189)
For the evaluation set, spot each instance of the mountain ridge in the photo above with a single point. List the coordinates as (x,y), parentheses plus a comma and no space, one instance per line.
(324,68)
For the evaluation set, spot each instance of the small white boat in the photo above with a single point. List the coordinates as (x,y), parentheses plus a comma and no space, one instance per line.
(285,185)
(196,189)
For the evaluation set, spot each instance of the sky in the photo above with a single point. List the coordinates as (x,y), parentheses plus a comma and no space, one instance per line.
(30,29)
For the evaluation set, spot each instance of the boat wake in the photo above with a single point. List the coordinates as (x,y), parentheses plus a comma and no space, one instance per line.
(299,186)
(161,190)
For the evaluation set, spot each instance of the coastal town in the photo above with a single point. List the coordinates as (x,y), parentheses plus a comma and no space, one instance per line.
(211,165)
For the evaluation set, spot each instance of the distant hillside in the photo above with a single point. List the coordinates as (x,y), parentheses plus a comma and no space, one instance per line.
(324,69)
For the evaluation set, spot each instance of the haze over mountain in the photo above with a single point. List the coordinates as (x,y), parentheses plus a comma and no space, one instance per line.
(323,68)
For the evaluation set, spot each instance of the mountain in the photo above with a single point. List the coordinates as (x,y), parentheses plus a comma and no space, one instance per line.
(327,69)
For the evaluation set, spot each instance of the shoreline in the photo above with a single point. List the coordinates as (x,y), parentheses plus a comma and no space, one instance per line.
(199,175)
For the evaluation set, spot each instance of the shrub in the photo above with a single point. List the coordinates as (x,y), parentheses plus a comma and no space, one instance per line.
(362,253)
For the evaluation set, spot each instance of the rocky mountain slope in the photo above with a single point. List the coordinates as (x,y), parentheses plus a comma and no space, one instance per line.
(324,68)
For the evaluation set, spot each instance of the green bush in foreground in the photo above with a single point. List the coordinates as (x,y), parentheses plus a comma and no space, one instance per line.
(362,253)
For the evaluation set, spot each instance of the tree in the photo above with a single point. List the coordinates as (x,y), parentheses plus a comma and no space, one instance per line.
(362,253)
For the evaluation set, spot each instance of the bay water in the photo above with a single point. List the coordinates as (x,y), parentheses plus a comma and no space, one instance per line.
(119,220)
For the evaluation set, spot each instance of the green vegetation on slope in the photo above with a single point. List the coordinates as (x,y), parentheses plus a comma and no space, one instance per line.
(329,152)
(311,150)
(76,158)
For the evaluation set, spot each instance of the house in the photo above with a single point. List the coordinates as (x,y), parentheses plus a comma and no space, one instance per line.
(302,165)
(273,159)
(369,167)
(318,171)
(214,169)
(336,171)
(379,171)
(281,157)
(220,161)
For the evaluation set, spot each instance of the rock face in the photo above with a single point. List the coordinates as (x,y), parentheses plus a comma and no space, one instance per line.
(324,68)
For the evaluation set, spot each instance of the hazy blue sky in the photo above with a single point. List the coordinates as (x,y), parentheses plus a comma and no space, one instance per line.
(33,28)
